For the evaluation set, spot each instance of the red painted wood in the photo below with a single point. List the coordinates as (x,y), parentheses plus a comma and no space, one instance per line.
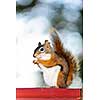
(40,93)
(48,99)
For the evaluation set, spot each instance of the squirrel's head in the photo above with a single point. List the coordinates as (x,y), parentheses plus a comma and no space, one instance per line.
(43,51)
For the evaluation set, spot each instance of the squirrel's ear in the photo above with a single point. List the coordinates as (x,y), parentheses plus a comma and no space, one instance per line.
(47,44)
(39,44)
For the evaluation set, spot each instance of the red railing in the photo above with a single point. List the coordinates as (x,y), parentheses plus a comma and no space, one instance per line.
(47,94)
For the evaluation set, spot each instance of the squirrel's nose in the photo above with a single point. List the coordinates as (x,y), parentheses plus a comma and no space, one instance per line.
(33,55)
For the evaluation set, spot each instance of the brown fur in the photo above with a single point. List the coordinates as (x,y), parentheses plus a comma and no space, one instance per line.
(68,57)
(61,80)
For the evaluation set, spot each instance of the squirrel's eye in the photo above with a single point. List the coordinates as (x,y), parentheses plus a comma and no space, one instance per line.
(41,49)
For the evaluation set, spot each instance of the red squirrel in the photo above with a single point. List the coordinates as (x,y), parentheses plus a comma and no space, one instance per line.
(50,56)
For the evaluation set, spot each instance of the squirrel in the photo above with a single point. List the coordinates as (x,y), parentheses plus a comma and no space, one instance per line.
(50,56)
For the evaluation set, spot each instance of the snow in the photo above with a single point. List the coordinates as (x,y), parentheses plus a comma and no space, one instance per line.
(32,27)
(24,2)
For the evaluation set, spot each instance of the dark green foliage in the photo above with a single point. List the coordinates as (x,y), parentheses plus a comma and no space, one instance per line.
(20,8)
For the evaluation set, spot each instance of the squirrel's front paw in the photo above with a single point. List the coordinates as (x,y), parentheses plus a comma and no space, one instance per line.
(35,62)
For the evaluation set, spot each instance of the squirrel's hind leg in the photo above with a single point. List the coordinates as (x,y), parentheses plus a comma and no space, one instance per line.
(61,81)
(69,77)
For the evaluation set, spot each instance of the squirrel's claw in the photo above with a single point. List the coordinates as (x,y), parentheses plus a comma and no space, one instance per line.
(35,62)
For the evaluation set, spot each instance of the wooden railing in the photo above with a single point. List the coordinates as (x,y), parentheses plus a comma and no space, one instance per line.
(47,94)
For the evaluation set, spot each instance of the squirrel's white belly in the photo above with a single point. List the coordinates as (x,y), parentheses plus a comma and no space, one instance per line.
(50,75)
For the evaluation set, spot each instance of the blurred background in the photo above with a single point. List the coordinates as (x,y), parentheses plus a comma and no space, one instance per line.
(33,20)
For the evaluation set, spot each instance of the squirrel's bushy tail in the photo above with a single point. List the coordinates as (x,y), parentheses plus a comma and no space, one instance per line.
(59,49)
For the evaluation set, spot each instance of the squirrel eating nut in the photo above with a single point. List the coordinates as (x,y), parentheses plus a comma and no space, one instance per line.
(50,57)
